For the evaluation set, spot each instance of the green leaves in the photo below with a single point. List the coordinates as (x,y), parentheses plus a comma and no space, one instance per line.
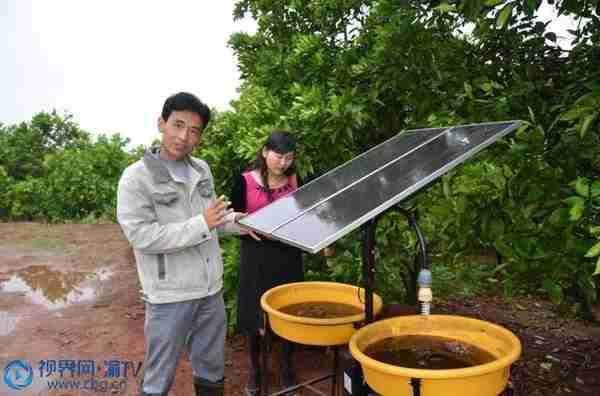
(503,16)
(597,271)
(585,111)
(588,196)
(554,290)
(586,189)
(582,187)
(575,113)
(78,181)
(594,251)
(586,123)
(5,185)
(587,201)
(445,8)
(576,206)
(344,76)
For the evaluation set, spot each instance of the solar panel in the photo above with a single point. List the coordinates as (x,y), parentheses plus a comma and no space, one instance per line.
(329,207)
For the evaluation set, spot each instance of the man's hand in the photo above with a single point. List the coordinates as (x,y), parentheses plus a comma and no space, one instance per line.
(244,230)
(216,214)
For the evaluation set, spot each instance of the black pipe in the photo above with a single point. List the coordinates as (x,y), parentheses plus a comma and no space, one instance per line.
(411,216)
(416,385)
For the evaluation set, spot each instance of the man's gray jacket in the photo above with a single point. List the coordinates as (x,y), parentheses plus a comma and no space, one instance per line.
(177,257)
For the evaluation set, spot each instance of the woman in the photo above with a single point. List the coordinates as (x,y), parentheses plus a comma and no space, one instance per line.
(267,263)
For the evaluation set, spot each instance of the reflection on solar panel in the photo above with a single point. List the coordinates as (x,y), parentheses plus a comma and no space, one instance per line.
(329,207)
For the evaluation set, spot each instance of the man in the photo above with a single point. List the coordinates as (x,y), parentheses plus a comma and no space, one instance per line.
(168,211)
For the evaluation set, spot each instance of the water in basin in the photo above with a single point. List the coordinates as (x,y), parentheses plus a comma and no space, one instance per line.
(321,309)
(427,352)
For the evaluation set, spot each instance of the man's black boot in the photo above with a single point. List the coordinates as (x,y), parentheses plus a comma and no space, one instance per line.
(205,387)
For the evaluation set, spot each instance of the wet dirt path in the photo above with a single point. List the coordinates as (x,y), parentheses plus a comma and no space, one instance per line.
(69,296)
(70,306)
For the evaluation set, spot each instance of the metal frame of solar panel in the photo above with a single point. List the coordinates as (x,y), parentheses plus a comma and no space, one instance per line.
(331,206)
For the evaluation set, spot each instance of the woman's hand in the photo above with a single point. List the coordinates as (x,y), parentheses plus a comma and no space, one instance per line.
(245,230)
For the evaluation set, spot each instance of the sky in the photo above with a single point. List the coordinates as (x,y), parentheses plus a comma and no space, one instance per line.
(113,63)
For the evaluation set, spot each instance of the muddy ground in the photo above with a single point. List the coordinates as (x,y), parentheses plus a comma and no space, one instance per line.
(69,295)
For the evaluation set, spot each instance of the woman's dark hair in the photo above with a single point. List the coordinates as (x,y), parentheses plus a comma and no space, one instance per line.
(184,101)
(281,142)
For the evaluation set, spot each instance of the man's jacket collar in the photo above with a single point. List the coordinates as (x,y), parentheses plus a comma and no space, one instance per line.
(160,173)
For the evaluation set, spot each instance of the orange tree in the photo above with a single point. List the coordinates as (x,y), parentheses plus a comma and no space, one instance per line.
(345,75)
(52,170)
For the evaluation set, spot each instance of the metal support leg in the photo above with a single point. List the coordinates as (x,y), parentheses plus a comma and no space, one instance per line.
(305,384)
(368,261)
(335,371)
(264,351)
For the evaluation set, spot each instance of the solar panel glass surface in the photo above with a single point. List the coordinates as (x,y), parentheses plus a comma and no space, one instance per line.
(333,205)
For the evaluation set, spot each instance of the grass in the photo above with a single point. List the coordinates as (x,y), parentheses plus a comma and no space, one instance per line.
(48,244)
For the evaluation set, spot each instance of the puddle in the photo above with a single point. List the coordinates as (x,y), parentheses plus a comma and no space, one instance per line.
(8,323)
(52,288)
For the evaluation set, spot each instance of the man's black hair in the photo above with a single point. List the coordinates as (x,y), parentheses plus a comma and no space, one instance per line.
(184,101)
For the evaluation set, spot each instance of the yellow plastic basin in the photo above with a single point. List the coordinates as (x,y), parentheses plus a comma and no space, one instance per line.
(313,331)
(483,380)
